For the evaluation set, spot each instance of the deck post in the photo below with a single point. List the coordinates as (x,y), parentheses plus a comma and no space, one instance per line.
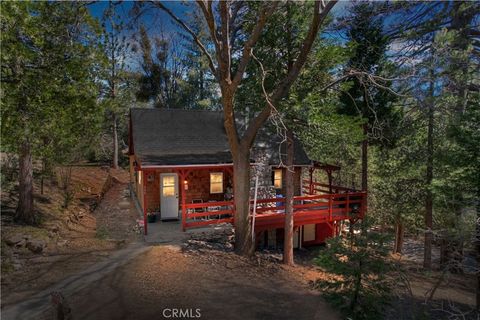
(329,173)
(347,205)
(330,204)
(144,186)
(183,176)
(311,181)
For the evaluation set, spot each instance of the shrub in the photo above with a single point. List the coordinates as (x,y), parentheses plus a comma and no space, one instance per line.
(361,290)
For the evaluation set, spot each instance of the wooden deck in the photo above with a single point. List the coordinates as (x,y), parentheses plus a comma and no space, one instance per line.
(345,204)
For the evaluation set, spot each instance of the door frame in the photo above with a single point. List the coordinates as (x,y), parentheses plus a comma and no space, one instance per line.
(177,206)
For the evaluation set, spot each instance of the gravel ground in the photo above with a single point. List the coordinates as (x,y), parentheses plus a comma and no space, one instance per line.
(221,285)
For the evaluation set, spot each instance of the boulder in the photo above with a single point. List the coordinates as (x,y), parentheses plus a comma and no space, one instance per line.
(15,239)
(36,246)
(124,204)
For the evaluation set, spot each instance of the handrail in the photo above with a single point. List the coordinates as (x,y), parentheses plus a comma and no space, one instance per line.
(208,204)
(334,187)
(270,211)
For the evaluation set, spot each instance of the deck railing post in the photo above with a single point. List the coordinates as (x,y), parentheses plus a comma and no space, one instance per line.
(311,181)
(144,186)
(347,205)
(330,204)
(183,176)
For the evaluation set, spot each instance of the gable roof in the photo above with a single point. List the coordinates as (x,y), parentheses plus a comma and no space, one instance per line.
(169,137)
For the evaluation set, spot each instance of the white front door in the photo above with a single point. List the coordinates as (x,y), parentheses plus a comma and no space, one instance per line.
(169,195)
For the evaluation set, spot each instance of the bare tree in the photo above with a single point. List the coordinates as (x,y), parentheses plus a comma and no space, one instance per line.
(222,37)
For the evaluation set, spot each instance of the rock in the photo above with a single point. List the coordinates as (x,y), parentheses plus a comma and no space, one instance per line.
(36,246)
(124,205)
(62,243)
(21,243)
(14,239)
(17,266)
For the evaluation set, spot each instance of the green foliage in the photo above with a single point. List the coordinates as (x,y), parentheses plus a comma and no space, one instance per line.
(361,290)
(49,68)
(102,233)
(175,74)
(369,99)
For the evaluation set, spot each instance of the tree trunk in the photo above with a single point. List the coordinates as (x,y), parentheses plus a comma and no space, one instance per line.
(115,143)
(477,244)
(365,158)
(241,167)
(25,210)
(427,256)
(288,240)
(42,177)
(399,233)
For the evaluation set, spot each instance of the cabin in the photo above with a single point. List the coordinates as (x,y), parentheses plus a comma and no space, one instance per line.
(181,169)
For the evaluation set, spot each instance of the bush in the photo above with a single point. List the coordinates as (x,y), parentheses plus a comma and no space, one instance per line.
(361,290)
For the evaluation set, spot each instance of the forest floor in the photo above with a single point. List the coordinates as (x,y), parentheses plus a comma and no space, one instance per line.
(95,256)
(67,240)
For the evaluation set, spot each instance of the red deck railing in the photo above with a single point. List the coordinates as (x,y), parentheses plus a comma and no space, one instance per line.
(270,213)
(207,213)
(310,209)
(324,188)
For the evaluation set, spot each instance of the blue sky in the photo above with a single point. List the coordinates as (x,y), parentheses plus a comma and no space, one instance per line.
(180,8)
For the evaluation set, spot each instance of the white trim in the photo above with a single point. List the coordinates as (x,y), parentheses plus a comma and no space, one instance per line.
(220,173)
(187,166)
(209,165)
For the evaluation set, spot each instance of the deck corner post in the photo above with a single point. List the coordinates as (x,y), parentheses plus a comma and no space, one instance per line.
(311,181)
(183,176)
(330,205)
(144,186)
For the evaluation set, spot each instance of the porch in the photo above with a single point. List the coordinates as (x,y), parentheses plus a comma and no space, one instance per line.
(198,208)
(270,213)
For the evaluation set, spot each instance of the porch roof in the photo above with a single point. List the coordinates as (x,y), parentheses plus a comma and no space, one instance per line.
(177,137)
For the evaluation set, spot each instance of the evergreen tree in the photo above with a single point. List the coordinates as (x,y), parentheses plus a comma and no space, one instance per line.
(49,67)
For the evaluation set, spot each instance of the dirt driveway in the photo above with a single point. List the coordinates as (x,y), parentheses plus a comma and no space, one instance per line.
(221,285)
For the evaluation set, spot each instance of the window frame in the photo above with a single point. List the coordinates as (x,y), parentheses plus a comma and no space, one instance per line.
(279,170)
(216,183)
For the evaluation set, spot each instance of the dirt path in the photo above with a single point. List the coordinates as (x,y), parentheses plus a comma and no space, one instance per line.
(92,239)
(220,285)
(38,305)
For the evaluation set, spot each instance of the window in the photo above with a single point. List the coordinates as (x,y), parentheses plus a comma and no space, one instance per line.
(277,178)
(216,182)
(168,186)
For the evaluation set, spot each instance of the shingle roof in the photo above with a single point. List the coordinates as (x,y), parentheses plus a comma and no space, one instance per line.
(189,137)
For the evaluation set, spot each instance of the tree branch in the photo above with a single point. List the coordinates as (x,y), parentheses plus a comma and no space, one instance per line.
(206,7)
(320,12)
(265,13)
(194,36)
(225,44)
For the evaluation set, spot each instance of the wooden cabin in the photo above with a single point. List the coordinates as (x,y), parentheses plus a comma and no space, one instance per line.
(181,169)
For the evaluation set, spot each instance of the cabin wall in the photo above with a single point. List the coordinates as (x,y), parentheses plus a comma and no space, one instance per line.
(306,235)
(136,180)
(198,182)
(297,181)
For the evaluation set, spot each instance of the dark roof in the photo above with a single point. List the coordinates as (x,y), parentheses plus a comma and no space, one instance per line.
(190,137)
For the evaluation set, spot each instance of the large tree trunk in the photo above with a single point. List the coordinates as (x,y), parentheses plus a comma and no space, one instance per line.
(399,234)
(241,167)
(25,210)
(477,244)
(288,240)
(115,143)
(365,158)
(427,256)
